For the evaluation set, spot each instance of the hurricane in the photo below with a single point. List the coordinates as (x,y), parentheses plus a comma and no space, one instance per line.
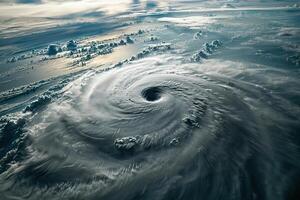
(187,114)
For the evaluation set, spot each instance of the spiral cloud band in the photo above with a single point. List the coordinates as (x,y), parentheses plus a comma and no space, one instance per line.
(157,129)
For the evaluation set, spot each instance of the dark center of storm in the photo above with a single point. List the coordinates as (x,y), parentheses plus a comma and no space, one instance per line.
(152,93)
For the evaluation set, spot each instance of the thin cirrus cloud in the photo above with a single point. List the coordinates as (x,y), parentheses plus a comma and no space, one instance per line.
(22,1)
(54,8)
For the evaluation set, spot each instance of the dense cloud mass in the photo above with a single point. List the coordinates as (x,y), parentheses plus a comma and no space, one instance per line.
(164,100)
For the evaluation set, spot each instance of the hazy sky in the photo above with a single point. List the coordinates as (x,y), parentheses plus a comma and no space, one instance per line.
(45,1)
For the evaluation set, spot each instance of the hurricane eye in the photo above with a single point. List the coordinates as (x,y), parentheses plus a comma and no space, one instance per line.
(152,93)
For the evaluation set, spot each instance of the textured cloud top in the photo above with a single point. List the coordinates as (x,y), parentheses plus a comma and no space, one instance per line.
(181,100)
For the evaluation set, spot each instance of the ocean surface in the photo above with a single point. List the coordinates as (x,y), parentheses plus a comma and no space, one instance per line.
(149,100)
